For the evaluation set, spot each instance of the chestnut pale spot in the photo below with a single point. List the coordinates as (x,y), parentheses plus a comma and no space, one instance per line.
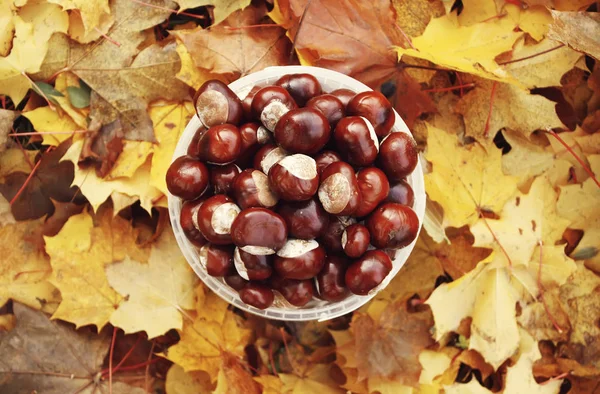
(272,158)
(195,216)
(371,132)
(203,255)
(334,193)
(258,250)
(300,166)
(297,247)
(223,216)
(263,135)
(265,195)
(212,108)
(239,264)
(271,114)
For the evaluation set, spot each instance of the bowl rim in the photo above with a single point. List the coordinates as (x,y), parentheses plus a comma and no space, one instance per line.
(323,310)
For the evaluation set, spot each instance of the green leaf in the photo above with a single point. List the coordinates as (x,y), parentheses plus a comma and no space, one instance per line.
(79,97)
(48,90)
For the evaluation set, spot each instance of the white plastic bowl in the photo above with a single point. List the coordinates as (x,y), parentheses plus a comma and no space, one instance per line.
(281,310)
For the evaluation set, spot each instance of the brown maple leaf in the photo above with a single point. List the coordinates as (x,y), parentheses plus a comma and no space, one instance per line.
(355,38)
(390,346)
(48,357)
(233,48)
(579,30)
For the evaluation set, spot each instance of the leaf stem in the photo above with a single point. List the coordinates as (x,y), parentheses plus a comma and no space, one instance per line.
(47,133)
(561,376)
(271,360)
(26,182)
(233,28)
(406,37)
(147,372)
(168,9)
(457,87)
(110,359)
(37,89)
(531,56)
(575,155)
(287,350)
(495,238)
(58,374)
(489,117)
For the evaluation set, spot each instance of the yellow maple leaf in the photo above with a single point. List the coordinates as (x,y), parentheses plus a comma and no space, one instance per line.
(189,73)
(78,254)
(24,268)
(486,288)
(205,340)
(469,49)
(316,379)
(133,156)
(97,190)
(270,384)
(581,144)
(91,11)
(151,305)
(510,107)
(465,179)
(387,386)
(57,126)
(533,20)
(180,382)
(34,25)
(525,221)
(475,11)
(437,370)
(472,387)
(222,8)
(63,81)
(169,122)
(7,27)
(540,65)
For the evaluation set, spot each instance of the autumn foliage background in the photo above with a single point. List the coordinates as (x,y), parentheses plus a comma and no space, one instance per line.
(501,294)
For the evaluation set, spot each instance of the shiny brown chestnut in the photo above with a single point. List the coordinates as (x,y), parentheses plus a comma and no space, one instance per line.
(215,217)
(356,141)
(299,259)
(252,267)
(366,273)
(193,146)
(339,192)
(344,95)
(398,156)
(235,281)
(251,189)
(355,240)
(259,231)
(247,102)
(331,283)
(376,108)
(325,158)
(296,292)
(221,178)
(332,237)
(402,193)
(257,295)
(188,220)
(187,178)
(220,144)
(374,188)
(218,259)
(268,155)
(302,87)
(253,137)
(302,130)
(270,104)
(305,219)
(294,178)
(330,106)
(217,104)
(392,226)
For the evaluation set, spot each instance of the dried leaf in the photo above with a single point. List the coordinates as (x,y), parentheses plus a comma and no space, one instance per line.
(90,10)
(7,118)
(180,382)
(579,30)
(56,125)
(222,9)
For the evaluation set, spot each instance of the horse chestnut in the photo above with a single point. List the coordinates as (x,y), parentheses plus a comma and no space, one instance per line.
(299,259)
(253,137)
(270,104)
(217,259)
(259,231)
(247,102)
(221,178)
(393,226)
(252,267)
(296,292)
(398,156)
(331,284)
(267,156)
(355,240)
(193,146)
(251,189)
(356,141)
(235,281)
(302,130)
(215,217)
(188,221)
(376,108)
(401,193)
(294,178)
(305,219)
(220,144)
(302,87)
(217,104)
(187,178)
(339,192)
(325,158)
(344,95)
(366,273)
(374,188)
(330,106)
(332,237)
(257,295)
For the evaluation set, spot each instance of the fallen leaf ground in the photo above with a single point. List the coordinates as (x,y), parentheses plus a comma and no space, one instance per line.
(502,291)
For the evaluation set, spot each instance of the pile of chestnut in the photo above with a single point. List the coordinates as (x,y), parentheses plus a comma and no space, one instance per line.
(295,190)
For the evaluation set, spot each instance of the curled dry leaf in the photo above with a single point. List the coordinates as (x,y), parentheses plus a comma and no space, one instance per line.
(579,30)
